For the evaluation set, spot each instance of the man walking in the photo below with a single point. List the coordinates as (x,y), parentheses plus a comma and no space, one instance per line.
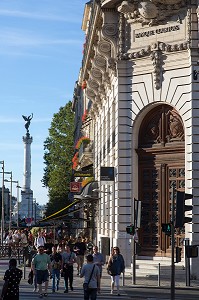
(98,259)
(79,249)
(41,264)
(91,274)
(68,259)
(56,261)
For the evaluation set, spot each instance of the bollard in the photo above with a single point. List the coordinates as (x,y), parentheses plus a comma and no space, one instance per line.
(123,278)
(159,274)
(24,267)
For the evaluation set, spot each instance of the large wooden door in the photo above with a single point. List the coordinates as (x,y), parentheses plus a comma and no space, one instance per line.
(161,165)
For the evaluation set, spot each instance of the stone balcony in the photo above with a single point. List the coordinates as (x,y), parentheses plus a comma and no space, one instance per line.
(86,154)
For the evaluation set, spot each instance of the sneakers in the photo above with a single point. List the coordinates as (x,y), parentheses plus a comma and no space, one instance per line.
(111,292)
(45,295)
(41,296)
(66,291)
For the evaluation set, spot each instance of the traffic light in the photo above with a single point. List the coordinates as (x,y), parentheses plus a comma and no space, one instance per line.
(130,229)
(166,228)
(178,254)
(181,208)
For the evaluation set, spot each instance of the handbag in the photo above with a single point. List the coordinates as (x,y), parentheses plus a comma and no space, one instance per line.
(86,284)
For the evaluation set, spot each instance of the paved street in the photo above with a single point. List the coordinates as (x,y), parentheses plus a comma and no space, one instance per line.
(146,288)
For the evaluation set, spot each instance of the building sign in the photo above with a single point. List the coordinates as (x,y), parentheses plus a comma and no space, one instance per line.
(107,174)
(157,31)
(75,187)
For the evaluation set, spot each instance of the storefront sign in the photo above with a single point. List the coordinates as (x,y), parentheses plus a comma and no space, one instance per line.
(107,174)
(88,173)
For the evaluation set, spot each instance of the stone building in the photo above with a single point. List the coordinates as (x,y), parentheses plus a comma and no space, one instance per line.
(140,72)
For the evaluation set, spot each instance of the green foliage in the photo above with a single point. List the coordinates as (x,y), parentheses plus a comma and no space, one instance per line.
(59,148)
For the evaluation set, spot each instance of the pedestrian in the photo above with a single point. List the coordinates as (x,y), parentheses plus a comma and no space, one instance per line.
(41,265)
(89,246)
(12,278)
(115,267)
(68,259)
(91,274)
(98,259)
(56,262)
(40,240)
(79,249)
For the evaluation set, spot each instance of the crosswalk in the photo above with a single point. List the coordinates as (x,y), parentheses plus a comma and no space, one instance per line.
(77,294)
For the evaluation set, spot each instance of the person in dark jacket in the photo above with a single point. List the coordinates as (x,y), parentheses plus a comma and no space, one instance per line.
(116,266)
(12,280)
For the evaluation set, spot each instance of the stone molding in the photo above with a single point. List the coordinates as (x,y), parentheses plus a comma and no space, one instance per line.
(152,12)
(155,52)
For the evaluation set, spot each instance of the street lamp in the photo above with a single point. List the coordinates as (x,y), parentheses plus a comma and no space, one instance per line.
(2,204)
(10,213)
(18,187)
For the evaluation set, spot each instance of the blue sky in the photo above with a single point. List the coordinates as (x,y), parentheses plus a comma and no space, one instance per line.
(41,45)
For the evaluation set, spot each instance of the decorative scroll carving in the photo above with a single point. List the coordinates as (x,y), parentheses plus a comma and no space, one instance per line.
(156,57)
(152,12)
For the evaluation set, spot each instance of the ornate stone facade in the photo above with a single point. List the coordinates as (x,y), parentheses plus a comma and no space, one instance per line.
(140,57)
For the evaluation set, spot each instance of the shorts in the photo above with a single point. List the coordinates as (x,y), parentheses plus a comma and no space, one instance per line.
(42,276)
(80,259)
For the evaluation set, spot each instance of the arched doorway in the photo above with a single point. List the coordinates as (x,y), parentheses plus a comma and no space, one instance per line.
(161,163)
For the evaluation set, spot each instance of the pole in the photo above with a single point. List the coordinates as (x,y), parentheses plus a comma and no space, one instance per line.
(17,203)
(10,219)
(187,264)
(172,247)
(2,204)
(134,249)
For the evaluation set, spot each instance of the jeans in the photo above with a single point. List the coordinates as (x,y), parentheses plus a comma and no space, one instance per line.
(90,294)
(55,278)
(68,276)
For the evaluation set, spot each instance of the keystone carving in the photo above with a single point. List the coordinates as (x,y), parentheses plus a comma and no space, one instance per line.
(152,12)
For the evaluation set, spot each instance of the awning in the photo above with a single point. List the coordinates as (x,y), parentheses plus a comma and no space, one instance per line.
(90,191)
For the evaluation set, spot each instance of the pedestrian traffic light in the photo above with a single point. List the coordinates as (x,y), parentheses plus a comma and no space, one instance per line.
(130,229)
(181,208)
(166,228)
(178,254)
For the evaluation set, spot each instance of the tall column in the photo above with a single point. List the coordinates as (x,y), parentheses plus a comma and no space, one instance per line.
(26,192)
(27,162)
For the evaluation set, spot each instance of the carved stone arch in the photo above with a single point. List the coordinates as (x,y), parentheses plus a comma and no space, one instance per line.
(161,165)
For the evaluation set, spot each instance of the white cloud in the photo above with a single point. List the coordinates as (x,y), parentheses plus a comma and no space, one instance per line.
(17,38)
(37,16)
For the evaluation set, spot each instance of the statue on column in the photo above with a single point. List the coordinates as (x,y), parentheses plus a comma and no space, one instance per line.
(27,124)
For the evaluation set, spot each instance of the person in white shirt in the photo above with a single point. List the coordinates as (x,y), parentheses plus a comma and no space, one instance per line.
(40,240)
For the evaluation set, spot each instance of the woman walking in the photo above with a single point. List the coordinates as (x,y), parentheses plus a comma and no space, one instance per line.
(115,267)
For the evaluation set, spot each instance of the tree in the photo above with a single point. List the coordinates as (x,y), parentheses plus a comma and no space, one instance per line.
(58,152)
